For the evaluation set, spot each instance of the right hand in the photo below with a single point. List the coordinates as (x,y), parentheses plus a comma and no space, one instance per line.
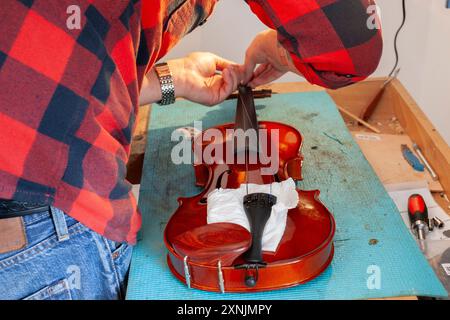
(273,59)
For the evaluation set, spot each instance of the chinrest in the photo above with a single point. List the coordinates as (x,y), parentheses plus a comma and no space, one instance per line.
(212,243)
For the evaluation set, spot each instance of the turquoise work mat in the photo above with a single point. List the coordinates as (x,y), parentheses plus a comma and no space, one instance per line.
(375,256)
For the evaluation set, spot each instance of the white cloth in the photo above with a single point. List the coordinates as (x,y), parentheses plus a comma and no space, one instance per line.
(226,205)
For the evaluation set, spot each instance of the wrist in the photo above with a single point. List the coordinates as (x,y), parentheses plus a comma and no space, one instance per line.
(179,77)
(151,89)
(166,84)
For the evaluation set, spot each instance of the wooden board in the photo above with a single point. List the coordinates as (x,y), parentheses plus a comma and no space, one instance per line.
(421,131)
(384,154)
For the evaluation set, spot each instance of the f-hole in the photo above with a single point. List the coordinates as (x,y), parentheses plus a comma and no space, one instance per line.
(219,180)
(218,185)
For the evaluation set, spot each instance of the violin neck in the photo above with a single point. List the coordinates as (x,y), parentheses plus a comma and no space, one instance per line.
(246,118)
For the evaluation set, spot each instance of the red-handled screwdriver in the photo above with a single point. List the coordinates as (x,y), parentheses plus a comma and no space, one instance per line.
(418,215)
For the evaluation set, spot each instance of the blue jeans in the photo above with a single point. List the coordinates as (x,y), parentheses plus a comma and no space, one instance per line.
(63,260)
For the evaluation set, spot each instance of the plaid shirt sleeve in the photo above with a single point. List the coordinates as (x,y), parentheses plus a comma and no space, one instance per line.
(161,32)
(330,41)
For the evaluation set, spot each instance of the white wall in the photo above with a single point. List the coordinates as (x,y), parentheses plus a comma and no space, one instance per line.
(227,32)
(424,48)
(434,92)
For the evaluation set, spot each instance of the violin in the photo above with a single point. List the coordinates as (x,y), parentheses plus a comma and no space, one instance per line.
(226,257)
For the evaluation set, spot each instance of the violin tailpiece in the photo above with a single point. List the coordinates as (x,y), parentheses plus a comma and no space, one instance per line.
(258,207)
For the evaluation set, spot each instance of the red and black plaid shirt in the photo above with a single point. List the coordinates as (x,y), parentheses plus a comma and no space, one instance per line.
(69,97)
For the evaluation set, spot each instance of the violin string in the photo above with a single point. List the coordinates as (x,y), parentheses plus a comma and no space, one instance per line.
(246,172)
(247,151)
(246,112)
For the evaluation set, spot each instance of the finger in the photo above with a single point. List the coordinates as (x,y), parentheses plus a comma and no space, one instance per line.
(248,69)
(227,85)
(216,88)
(260,74)
(235,70)
(222,63)
(241,73)
(249,65)
(260,69)
(224,85)
(253,57)
(233,77)
(209,95)
(238,75)
(266,77)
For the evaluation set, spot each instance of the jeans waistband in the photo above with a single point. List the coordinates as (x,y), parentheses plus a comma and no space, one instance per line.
(12,209)
(59,221)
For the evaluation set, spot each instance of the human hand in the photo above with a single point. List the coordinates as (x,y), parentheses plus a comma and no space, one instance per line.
(197,77)
(274,61)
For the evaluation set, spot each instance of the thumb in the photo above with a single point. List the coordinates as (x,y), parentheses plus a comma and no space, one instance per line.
(222,63)
(253,57)
(249,66)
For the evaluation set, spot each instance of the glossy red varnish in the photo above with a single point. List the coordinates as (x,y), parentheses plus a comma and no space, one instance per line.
(306,248)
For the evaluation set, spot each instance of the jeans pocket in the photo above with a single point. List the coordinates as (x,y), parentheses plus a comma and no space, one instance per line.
(121,258)
(59,290)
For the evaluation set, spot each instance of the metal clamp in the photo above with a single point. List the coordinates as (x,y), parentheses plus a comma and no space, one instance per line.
(187,275)
(220,277)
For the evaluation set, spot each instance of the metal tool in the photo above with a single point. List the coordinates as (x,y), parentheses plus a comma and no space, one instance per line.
(418,215)
(445,197)
(438,222)
(412,159)
(368,111)
(430,225)
(425,162)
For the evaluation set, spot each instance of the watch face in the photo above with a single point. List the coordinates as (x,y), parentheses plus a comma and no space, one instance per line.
(162,69)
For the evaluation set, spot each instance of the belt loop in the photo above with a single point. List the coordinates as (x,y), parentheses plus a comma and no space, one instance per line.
(59,220)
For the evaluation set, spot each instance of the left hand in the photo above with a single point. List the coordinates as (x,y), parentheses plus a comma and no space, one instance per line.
(205,78)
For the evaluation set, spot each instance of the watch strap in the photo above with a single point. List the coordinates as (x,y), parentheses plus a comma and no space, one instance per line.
(166,82)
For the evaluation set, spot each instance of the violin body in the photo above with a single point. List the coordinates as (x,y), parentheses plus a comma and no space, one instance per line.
(305,250)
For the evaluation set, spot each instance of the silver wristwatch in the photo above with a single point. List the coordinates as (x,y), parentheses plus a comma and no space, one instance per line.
(166,81)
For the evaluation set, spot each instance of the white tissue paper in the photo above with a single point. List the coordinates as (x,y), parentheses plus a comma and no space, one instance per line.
(226,205)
